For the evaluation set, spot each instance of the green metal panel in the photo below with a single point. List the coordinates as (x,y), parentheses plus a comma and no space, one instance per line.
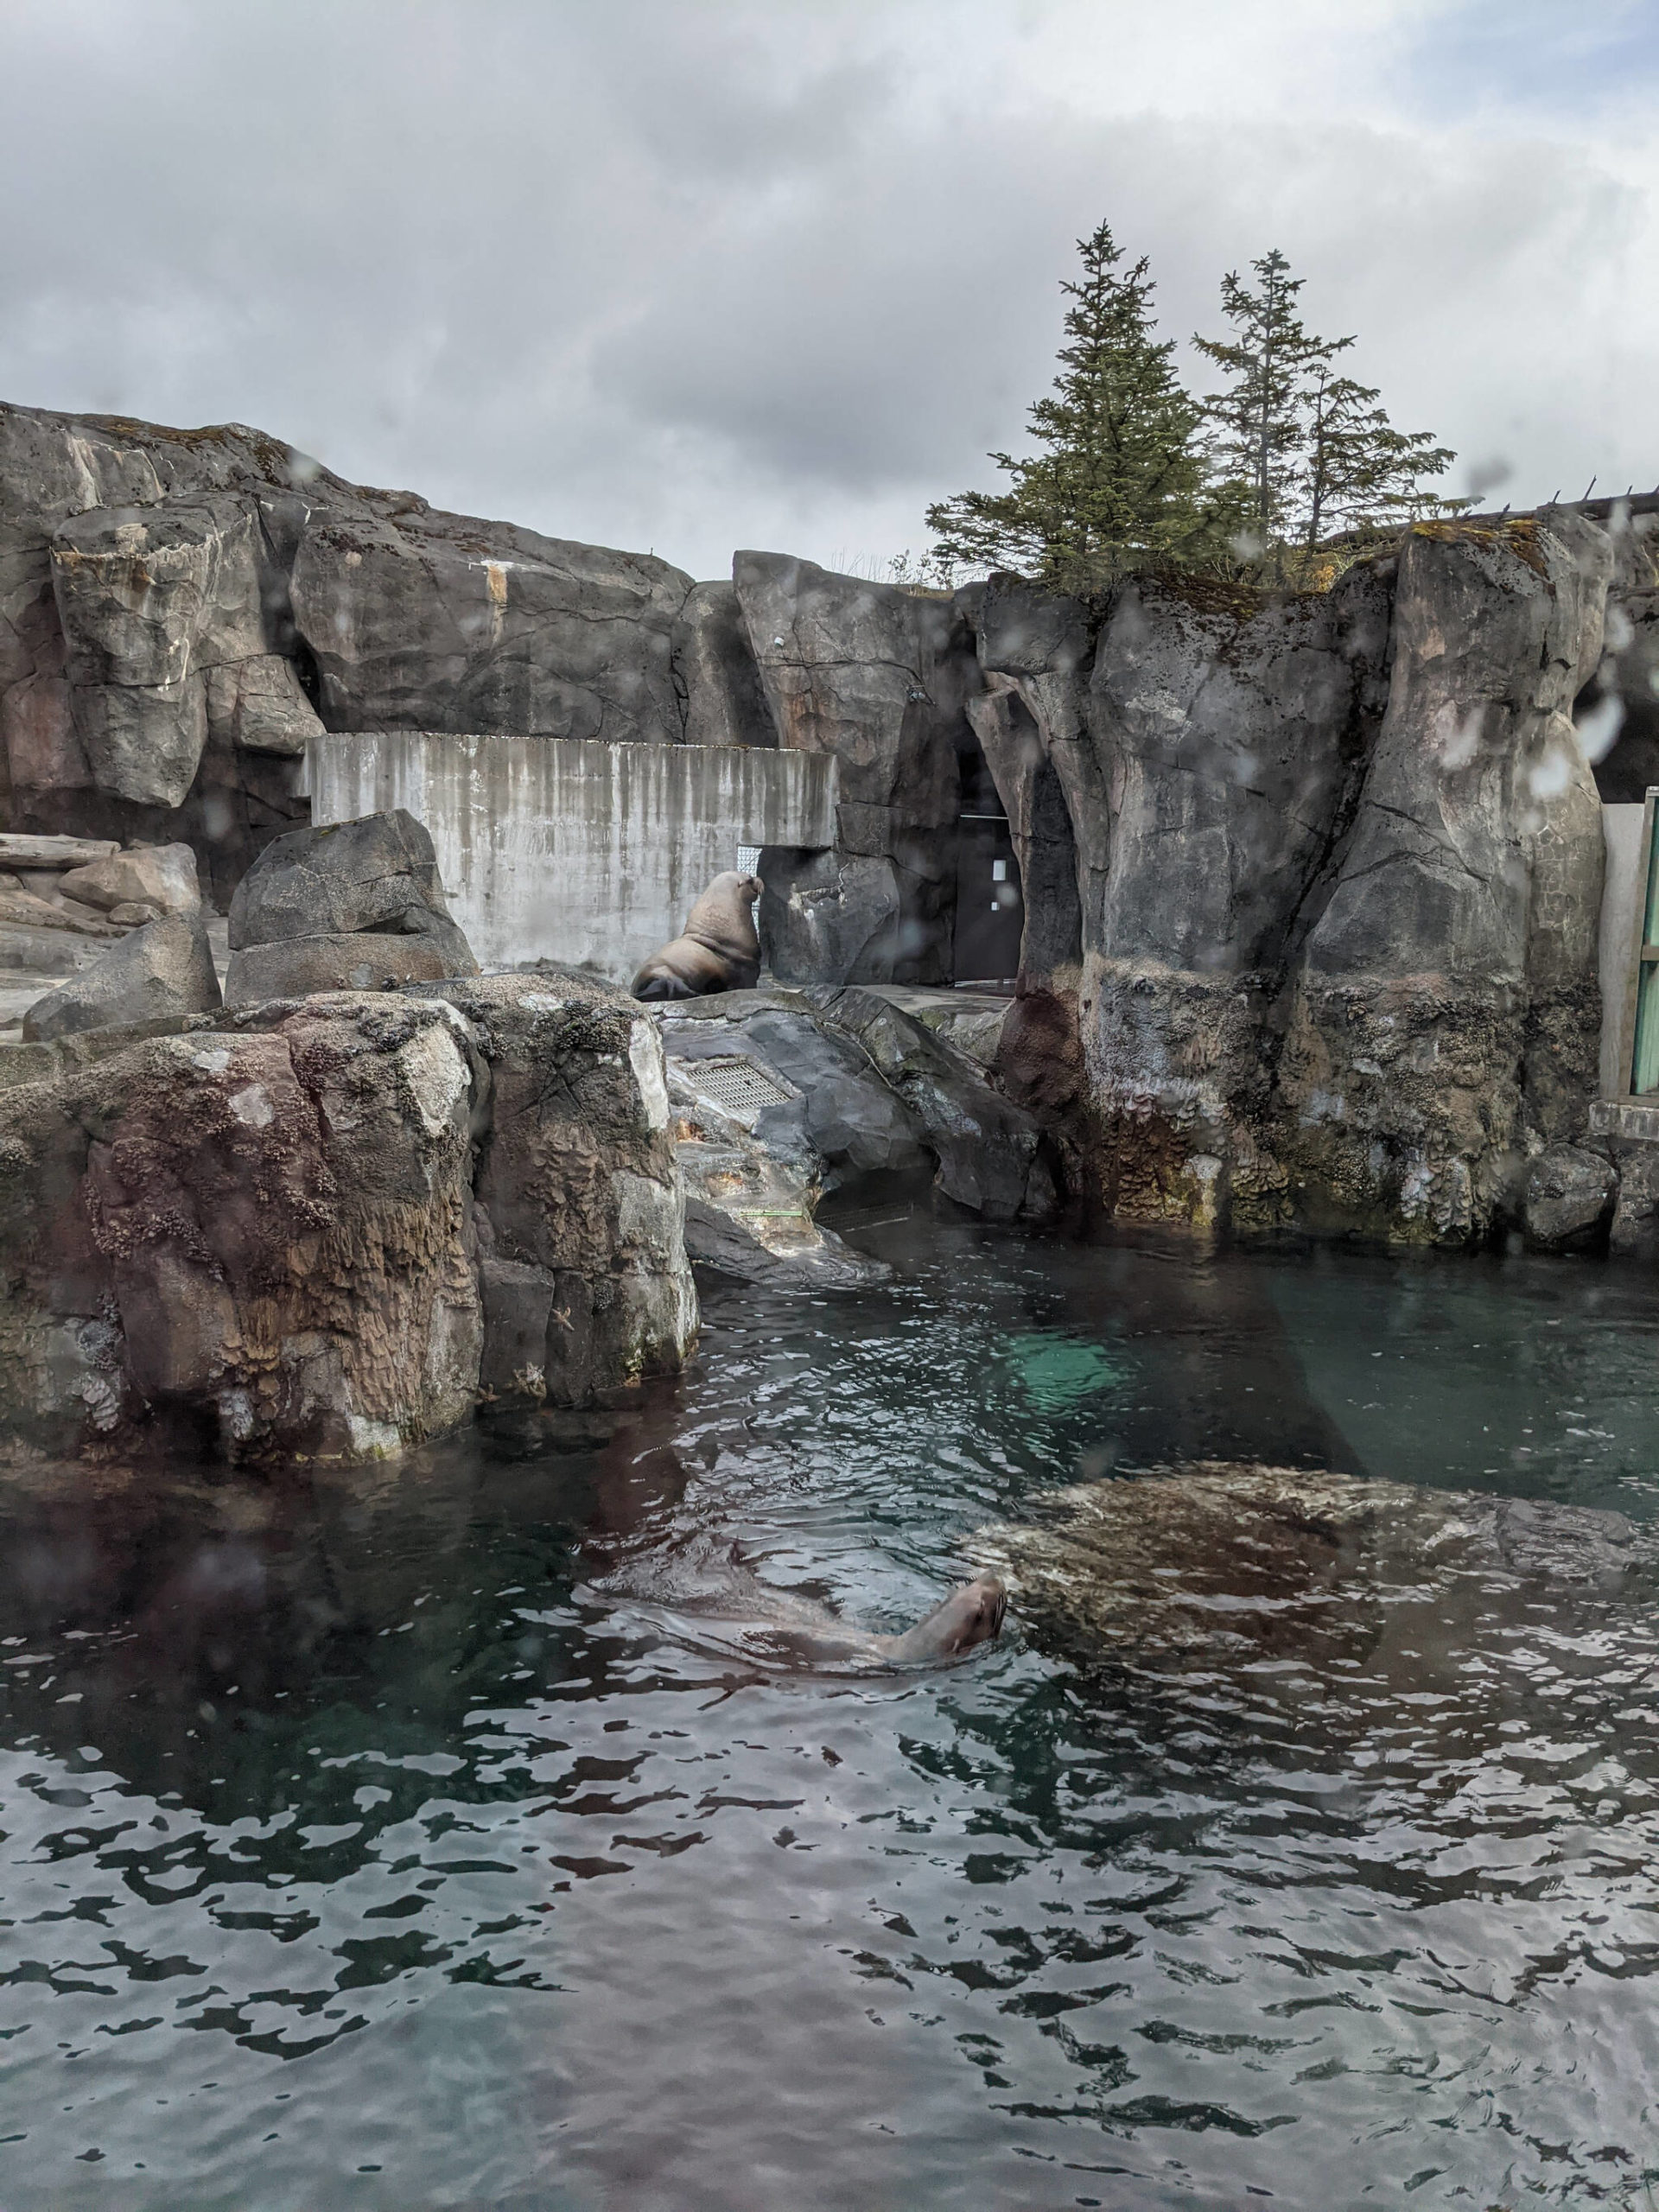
(1645,1072)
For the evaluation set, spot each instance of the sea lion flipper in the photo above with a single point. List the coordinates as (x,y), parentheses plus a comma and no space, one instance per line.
(661,986)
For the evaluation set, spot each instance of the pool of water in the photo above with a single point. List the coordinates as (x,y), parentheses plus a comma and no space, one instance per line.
(357,1852)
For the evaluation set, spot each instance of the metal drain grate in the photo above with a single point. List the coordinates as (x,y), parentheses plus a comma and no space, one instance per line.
(739,1087)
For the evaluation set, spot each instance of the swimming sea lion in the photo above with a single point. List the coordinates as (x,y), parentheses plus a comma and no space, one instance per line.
(717,951)
(968,1615)
(783,1625)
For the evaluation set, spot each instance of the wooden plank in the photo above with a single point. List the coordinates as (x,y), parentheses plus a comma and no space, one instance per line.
(20,849)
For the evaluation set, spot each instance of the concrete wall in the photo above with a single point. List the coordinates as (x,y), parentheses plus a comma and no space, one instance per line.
(1621,830)
(573,850)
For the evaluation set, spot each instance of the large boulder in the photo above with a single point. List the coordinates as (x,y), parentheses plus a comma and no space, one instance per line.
(992,1155)
(1570,1196)
(258,705)
(150,599)
(362,960)
(864,1088)
(373,884)
(416,619)
(320,1229)
(266,1229)
(161,876)
(826,917)
(378,872)
(164,968)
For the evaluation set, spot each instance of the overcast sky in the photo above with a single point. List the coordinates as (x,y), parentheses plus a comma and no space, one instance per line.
(693,274)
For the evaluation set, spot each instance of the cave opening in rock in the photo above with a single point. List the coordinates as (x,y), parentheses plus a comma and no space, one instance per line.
(990,909)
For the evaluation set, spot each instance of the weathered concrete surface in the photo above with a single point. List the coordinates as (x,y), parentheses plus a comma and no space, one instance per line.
(320,1228)
(587,853)
(875,678)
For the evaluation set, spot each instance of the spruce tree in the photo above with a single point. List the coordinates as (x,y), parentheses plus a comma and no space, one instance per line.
(1304,450)
(1121,474)
(1259,431)
(1357,469)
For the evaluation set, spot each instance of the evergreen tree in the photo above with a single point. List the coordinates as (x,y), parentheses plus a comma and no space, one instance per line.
(1259,431)
(1121,473)
(1357,468)
(1304,450)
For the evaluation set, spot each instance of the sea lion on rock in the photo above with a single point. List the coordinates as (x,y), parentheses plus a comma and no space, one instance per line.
(717,951)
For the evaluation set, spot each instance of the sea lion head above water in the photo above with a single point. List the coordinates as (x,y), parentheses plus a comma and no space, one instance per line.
(719,949)
(968,1615)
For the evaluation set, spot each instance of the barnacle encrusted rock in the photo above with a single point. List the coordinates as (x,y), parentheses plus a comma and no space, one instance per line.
(270,1224)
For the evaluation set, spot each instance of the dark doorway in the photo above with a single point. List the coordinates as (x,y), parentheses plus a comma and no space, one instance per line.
(990,914)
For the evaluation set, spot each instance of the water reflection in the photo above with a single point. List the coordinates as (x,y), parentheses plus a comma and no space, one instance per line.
(355,1855)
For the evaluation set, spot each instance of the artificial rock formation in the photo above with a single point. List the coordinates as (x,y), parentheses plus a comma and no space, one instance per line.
(328,1229)
(876,676)
(861,1088)
(1340,865)
(1309,881)
(163,969)
(354,905)
(180,610)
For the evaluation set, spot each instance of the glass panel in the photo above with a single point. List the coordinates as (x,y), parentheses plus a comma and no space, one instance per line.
(1645,1074)
(1650,912)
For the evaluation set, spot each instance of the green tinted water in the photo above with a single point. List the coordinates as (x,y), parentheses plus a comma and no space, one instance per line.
(356,1854)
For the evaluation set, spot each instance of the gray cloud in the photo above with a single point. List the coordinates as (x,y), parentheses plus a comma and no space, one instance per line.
(690,276)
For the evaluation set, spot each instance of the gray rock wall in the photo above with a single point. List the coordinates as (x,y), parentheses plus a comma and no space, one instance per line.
(178,610)
(1339,866)
(878,676)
